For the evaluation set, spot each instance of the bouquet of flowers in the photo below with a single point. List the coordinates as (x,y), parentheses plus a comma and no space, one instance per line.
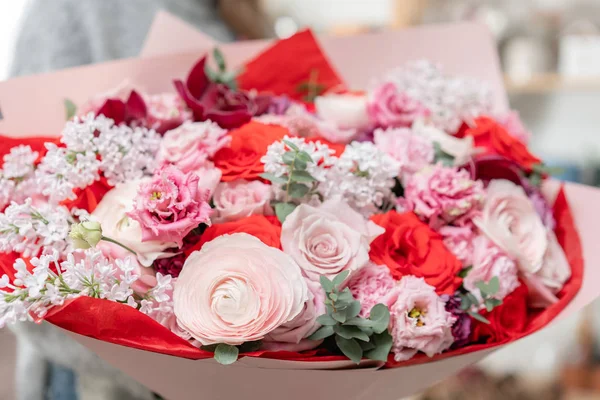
(274,213)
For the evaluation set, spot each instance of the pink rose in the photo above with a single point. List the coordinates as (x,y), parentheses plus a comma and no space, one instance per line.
(490,261)
(509,219)
(112,214)
(292,335)
(239,199)
(459,240)
(328,239)
(166,111)
(511,121)
(443,194)
(237,289)
(387,107)
(462,149)
(333,133)
(419,320)
(370,285)
(210,176)
(189,146)
(411,151)
(342,115)
(146,275)
(297,119)
(170,205)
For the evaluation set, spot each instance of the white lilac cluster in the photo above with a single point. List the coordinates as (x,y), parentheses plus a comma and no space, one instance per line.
(363,176)
(88,273)
(15,177)
(32,230)
(93,145)
(321,155)
(450,99)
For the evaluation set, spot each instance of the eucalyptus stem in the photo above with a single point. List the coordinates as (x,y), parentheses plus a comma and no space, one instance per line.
(107,239)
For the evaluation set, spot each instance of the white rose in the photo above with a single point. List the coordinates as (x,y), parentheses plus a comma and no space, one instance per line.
(346,111)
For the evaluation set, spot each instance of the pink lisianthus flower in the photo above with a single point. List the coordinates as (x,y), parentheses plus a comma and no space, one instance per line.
(191,145)
(490,261)
(413,152)
(370,285)
(170,205)
(419,320)
(387,107)
(292,335)
(443,194)
(459,240)
(166,111)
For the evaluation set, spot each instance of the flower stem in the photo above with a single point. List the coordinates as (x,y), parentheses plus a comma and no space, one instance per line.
(107,239)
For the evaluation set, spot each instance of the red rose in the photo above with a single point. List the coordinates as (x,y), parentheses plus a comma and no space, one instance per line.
(507,321)
(267,229)
(89,197)
(241,160)
(495,139)
(410,247)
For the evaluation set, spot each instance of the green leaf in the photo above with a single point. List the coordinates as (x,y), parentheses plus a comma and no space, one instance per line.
(350,332)
(465,302)
(219,59)
(465,271)
(350,348)
(491,303)
(326,284)
(322,333)
(288,158)
(353,309)
(472,299)
(210,347)
(299,165)
(490,288)
(340,278)
(247,347)
(70,109)
(272,178)
(478,317)
(304,156)
(291,145)
(339,316)
(360,322)
(326,320)
(345,296)
(383,345)
(380,315)
(297,190)
(366,346)
(282,210)
(302,176)
(226,354)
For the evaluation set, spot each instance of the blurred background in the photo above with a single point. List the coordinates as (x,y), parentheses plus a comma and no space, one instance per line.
(550,54)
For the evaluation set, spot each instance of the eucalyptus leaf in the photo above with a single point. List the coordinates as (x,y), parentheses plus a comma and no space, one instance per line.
(383,344)
(465,271)
(478,317)
(380,315)
(288,158)
(299,165)
(366,346)
(304,156)
(490,288)
(350,332)
(361,322)
(291,145)
(353,309)
(491,303)
(219,59)
(226,354)
(339,316)
(282,210)
(272,178)
(350,348)
(297,190)
(326,284)
(326,320)
(340,278)
(70,109)
(322,333)
(302,176)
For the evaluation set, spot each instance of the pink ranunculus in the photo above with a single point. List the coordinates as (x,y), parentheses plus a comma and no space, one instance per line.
(490,261)
(419,320)
(511,121)
(328,239)
(170,205)
(166,111)
(443,194)
(239,199)
(388,107)
(509,219)
(112,214)
(190,146)
(237,289)
(292,335)
(459,240)
(462,149)
(370,285)
(411,151)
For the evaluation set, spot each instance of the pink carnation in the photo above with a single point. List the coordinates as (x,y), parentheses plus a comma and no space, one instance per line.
(413,152)
(490,261)
(190,146)
(166,111)
(419,320)
(387,107)
(170,205)
(370,285)
(443,193)
(459,240)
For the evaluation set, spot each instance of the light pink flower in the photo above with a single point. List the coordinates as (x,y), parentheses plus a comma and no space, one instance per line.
(166,111)
(297,119)
(411,151)
(170,205)
(328,239)
(333,133)
(237,289)
(94,104)
(509,219)
(511,121)
(443,194)
(292,335)
(459,240)
(342,115)
(239,199)
(370,285)
(490,261)
(419,320)
(191,145)
(388,107)
(462,149)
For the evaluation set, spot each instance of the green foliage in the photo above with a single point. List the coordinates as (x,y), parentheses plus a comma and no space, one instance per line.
(70,109)
(354,336)
(226,354)
(221,75)
(282,210)
(469,303)
(311,88)
(441,156)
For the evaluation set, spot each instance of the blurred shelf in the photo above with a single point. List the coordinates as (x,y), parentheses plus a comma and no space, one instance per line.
(544,83)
